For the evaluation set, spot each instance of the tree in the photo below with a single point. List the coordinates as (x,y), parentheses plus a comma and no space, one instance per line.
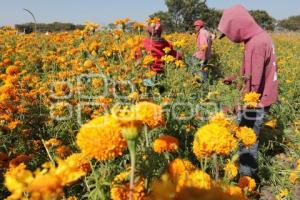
(182,13)
(263,19)
(292,23)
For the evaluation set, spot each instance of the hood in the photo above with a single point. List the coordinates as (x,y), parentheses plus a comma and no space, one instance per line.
(238,25)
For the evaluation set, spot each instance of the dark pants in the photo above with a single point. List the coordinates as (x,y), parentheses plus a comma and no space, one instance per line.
(254,119)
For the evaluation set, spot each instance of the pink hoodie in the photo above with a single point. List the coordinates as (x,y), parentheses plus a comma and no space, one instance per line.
(203,41)
(259,65)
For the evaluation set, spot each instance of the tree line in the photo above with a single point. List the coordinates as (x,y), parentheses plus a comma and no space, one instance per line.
(180,17)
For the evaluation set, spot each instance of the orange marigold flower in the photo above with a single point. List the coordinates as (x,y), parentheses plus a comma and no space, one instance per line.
(101,138)
(19,159)
(120,187)
(246,135)
(12,70)
(45,186)
(247,182)
(235,193)
(150,114)
(197,179)
(52,142)
(165,143)
(72,168)
(178,167)
(213,138)
(63,151)
(251,99)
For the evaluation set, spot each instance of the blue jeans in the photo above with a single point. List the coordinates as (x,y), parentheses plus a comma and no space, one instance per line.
(254,119)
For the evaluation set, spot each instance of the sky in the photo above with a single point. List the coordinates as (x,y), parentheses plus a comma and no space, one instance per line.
(106,11)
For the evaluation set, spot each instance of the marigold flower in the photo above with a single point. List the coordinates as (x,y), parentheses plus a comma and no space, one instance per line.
(120,187)
(231,170)
(45,186)
(197,179)
(88,64)
(247,182)
(211,139)
(149,113)
(148,59)
(12,70)
(293,177)
(178,167)
(17,180)
(101,138)
(19,159)
(165,143)
(221,119)
(251,99)
(72,168)
(235,193)
(246,135)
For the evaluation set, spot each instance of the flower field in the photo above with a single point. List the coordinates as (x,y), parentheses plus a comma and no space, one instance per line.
(79,120)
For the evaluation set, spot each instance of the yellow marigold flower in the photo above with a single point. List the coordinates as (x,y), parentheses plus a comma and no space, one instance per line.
(101,138)
(178,167)
(247,182)
(231,170)
(148,59)
(168,59)
(72,198)
(88,64)
(197,179)
(179,63)
(165,143)
(179,43)
(120,188)
(167,50)
(272,123)
(211,139)
(283,193)
(17,180)
(246,135)
(251,99)
(72,168)
(293,177)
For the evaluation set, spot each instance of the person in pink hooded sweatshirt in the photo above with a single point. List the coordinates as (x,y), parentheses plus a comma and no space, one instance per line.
(259,72)
(203,47)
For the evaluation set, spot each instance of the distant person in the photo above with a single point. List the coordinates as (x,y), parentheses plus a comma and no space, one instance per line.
(155,45)
(203,47)
(259,73)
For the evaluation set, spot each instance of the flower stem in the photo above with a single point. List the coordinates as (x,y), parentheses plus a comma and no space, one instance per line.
(132,152)
(215,161)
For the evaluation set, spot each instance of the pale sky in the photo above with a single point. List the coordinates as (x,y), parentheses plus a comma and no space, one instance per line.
(106,11)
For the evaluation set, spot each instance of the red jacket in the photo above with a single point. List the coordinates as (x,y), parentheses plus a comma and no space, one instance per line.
(155,48)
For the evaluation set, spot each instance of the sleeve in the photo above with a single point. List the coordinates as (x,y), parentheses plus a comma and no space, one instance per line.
(253,70)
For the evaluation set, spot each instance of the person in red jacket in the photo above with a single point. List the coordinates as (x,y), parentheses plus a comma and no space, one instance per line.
(155,45)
